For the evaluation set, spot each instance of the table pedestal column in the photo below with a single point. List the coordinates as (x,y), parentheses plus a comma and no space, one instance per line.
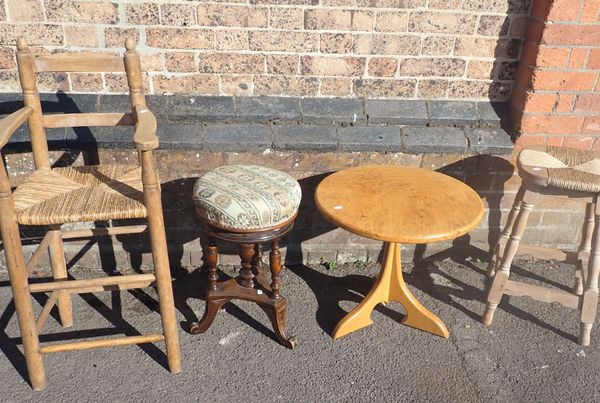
(390,286)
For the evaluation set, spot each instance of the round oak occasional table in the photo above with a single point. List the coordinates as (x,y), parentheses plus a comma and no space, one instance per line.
(396,205)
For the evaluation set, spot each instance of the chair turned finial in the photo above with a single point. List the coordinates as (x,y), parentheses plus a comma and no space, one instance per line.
(22,44)
(130,43)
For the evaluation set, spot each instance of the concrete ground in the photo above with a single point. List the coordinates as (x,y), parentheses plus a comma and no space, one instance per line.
(528,354)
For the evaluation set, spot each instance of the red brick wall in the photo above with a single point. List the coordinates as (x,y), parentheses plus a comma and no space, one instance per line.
(556,99)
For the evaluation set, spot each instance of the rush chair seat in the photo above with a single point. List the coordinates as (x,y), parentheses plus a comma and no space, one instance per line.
(50,197)
(556,172)
(561,168)
(79,194)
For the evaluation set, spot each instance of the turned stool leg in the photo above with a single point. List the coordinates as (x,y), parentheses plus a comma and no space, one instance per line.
(583,254)
(590,295)
(275,264)
(501,277)
(212,306)
(257,258)
(501,244)
(246,278)
(277,312)
(212,257)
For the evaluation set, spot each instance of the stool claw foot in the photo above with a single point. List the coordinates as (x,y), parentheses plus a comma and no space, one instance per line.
(194,328)
(210,313)
(290,343)
(277,317)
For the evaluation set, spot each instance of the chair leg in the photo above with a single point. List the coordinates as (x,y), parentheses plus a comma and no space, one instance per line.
(501,244)
(497,287)
(162,271)
(589,303)
(59,272)
(583,254)
(24,307)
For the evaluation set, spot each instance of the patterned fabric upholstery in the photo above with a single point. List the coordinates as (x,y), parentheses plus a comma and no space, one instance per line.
(246,197)
(567,168)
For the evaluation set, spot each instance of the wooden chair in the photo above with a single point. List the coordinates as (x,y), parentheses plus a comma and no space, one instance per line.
(53,196)
(557,172)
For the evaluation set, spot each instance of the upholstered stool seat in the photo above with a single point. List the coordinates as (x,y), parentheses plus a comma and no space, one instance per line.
(247,197)
(558,172)
(561,167)
(247,205)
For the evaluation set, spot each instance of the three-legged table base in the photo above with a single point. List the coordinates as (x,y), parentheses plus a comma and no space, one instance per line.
(390,286)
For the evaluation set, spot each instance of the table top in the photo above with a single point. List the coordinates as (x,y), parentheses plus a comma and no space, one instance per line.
(399,204)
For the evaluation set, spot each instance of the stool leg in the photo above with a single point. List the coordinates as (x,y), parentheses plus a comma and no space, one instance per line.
(501,277)
(212,304)
(277,313)
(246,251)
(277,316)
(212,257)
(59,272)
(501,244)
(257,258)
(583,254)
(275,264)
(590,295)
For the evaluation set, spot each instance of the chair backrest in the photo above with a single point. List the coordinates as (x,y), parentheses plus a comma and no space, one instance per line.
(29,65)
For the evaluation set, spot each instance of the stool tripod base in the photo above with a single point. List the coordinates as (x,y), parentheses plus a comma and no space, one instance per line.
(252,285)
(231,290)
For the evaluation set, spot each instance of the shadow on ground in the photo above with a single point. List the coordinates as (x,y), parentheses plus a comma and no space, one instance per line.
(425,275)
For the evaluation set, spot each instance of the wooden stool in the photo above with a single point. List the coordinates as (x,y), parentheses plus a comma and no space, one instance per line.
(247,205)
(557,172)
